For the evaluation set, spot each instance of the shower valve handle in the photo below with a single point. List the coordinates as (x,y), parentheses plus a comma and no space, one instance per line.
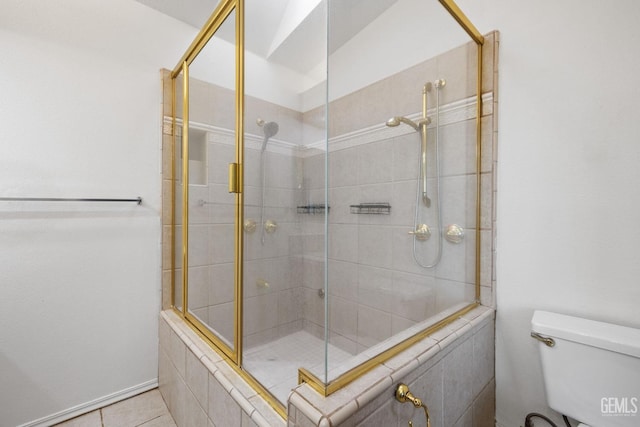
(422,232)
(270,226)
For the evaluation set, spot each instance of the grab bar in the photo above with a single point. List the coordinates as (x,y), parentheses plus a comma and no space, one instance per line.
(137,200)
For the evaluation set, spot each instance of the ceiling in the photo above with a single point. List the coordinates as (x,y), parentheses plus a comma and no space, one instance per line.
(285,31)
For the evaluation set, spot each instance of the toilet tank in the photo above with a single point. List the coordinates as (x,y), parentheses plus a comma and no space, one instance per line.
(592,372)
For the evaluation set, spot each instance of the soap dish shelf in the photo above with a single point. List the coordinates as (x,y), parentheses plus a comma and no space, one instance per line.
(313,209)
(371,209)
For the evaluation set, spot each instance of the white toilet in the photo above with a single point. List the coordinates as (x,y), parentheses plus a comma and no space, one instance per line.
(591,369)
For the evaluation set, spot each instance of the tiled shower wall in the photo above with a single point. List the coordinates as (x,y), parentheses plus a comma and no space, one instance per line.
(269,269)
(376,289)
(273,311)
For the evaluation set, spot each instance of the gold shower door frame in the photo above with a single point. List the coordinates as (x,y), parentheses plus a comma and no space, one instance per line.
(236,185)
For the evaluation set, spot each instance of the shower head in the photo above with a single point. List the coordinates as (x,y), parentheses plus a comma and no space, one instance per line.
(270,129)
(395,121)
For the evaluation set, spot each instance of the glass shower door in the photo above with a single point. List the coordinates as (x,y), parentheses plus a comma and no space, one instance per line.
(284,235)
(212,208)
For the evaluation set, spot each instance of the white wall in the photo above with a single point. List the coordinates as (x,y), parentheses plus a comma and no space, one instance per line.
(79,283)
(568,174)
(396,40)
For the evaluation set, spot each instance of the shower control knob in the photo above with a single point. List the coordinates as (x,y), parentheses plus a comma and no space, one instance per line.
(422,232)
(454,233)
(270,226)
(249,226)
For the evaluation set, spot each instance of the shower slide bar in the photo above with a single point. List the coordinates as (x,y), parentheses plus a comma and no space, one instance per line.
(137,200)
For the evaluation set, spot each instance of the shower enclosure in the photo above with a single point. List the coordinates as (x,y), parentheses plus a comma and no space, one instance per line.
(325,184)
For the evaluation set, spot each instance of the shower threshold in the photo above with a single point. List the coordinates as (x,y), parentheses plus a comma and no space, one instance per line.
(275,364)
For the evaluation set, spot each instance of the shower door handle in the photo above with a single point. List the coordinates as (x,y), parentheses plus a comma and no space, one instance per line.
(233,178)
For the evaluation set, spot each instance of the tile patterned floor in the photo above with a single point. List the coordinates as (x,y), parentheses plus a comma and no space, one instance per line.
(144,410)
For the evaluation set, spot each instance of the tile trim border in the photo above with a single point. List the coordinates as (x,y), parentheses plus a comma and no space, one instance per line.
(453,112)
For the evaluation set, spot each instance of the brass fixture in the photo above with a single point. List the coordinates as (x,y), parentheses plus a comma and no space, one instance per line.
(404,395)
(549,342)
(422,232)
(420,126)
(233,178)
(423,144)
(261,283)
(269,129)
(250,226)
(454,233)
(270,226)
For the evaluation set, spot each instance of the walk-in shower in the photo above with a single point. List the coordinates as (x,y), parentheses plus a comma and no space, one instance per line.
(304,262)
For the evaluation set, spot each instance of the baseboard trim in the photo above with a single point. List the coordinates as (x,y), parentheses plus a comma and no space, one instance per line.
(84,408)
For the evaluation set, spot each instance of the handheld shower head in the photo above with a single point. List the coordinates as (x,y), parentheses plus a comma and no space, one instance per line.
(269,129)
(395,121)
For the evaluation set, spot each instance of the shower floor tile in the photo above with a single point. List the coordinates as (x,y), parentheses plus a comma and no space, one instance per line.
(275,364)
